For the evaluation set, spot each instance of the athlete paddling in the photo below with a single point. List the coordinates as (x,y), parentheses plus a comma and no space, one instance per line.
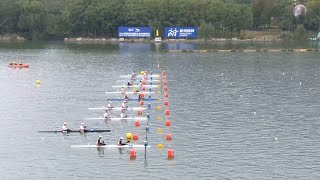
(82,127)
(64,127)
(134,75)
(120,143)
(100,142)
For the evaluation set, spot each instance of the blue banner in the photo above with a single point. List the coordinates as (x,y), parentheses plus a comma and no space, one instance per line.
(180,32)
(134,32)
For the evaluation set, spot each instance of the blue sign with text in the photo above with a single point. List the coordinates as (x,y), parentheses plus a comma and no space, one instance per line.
(134,32)
(180,32)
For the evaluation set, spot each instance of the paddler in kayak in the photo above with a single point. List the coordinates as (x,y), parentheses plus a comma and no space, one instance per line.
(108,112)
(140,85)
(20,63)
(120,143)
(124,108)
(109,106)
(82,127)
(140,97)
(64,127)
(135,90)
(123,90)
(126,98)
(129,84)
(100,142)
(133,75)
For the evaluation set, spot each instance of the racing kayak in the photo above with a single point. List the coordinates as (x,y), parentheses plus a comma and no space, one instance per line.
(137,86)
(78,131)
(126,118)
(140,76)
(119,92)
(132,99)
(19,65)
(111,146)
(119,108)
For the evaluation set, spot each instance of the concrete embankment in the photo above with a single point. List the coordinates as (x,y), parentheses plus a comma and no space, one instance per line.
(244,50)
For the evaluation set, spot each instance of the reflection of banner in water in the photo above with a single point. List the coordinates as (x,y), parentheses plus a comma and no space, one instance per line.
(299,10)
(179,46)
(135,47)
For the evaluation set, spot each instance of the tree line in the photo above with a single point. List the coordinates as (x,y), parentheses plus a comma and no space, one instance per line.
(41,19)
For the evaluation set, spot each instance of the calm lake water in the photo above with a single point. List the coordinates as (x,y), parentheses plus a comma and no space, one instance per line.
(233,115)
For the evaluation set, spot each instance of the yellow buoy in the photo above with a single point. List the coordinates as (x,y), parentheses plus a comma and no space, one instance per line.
(38,81)
(129,136)
(159,108)
(159,130)
(159,99)
(142,73)
(158,118)
(159,92)
(159,86)
(159,81)
(159,146)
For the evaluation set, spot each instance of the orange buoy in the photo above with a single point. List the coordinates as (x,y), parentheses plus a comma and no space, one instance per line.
(141,103)
(170,153)
(165,88)
(168,137)
(133,154)
(167,112)
(164,82)
(139,112)
(166,95)
(137,123)
(168,123)
(166,103)
(142,95)
(135,137)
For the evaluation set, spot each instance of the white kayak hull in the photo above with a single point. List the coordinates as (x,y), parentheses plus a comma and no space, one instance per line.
(137,86)
(127,118)
(111,146)
(118,92)
(119,108)
(140,76)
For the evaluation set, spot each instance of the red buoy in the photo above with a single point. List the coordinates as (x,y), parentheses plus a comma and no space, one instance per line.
(170,153)
(165,88)
(144,82)
(142,95)
(164,82)
(135,137)
(139,112)
(143,88)
(166,103)
(167,112)
(137,123)
(141,103)
(168,137)
(168,123)
(133,154)
(166,95)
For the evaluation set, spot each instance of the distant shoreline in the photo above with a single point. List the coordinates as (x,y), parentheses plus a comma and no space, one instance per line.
(115,40)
